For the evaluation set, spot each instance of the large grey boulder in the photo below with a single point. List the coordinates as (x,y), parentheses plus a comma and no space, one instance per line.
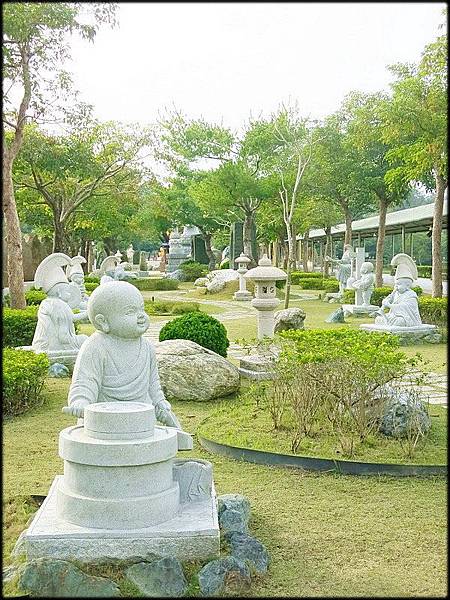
(218,278)
(403,413)
(248,549)
(51,578)
(178,275)
(201,281)
(236,502)
(219,575)
(162,578)
(190,372)
(336,316)
(289,318)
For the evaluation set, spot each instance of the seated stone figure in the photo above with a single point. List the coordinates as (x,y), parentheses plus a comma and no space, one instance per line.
(116,363)
(55,329)
(402,301)
(366,283)
(76,275)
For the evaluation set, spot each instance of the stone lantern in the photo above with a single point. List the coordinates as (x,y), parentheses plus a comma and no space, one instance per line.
(242,262)
(265,300)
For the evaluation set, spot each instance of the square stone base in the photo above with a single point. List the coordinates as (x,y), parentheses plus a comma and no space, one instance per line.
(256,367)
(361,310)
(192,534)
(408,336)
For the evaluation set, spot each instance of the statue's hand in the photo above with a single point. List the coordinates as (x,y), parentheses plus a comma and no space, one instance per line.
(76,408)
(164,414)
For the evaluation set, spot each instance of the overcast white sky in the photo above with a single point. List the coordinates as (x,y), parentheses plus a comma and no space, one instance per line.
(226,60)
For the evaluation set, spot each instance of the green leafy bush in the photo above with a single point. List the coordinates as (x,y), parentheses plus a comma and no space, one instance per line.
(168,307)
(155,284)
(90,286)
(19,326)
(225,264)
(91,279)
(192,270)
(34,296)
(316,283)
(200,328)
(24,374)
(433,310)
(331,285)
(296,275)
(379,293)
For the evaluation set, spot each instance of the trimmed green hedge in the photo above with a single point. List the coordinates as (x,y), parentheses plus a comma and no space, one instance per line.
(379,293)
(34,296)
(297,275)
(19,326)
(425,271)
(318,283)
(24,374)
(168,307)
(200,328)
(91,279)
(155,284)
(433,310)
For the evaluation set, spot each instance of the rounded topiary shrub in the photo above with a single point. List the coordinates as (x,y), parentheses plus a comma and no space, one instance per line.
(24,373)
(200,328)
(192,270)
(90,286)
(19,326)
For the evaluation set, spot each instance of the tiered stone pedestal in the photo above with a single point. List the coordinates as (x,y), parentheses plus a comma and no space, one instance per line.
(120,494)
(361,310)
(420,334)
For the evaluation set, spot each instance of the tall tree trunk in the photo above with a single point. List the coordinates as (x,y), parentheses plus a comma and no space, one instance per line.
(436,251)
(13,239)
(290,262)
(305,252)
(212,259)
(89,257)
(348,226)
(60,243)
(383,205)
(247,239)
(326,252)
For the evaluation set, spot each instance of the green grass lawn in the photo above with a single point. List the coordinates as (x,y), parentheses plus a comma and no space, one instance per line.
(328,535)
(242,424)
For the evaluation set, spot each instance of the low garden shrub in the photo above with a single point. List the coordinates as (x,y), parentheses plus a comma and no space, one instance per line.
(192,270)
(379,293)
(296,275)
(200,328)
(168,307)
(316,283)
(433,310)
(19,326)
(332,381)
(425,271)
(34,296)
(92,279)
(90,286)
(155,284)
(331,285)
(24,374)
(225,264)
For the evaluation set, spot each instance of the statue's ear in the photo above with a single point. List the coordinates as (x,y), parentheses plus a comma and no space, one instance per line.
(101,322)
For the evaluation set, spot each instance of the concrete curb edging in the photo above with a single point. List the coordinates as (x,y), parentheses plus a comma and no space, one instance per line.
(320,464)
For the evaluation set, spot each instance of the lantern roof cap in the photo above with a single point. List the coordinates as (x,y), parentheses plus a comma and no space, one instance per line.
(265,271)
(242,259)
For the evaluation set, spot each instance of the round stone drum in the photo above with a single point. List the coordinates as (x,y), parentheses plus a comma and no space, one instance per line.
(118,469)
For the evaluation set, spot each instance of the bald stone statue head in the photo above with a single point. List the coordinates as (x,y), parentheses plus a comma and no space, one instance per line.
(117,308)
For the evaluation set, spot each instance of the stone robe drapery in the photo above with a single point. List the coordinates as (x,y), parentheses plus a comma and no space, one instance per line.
(55,330)
(404,311)
(101,373)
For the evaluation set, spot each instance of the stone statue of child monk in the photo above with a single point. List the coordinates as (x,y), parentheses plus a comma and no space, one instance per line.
(116,363)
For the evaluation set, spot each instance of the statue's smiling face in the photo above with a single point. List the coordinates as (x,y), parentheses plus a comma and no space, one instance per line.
(130,320)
